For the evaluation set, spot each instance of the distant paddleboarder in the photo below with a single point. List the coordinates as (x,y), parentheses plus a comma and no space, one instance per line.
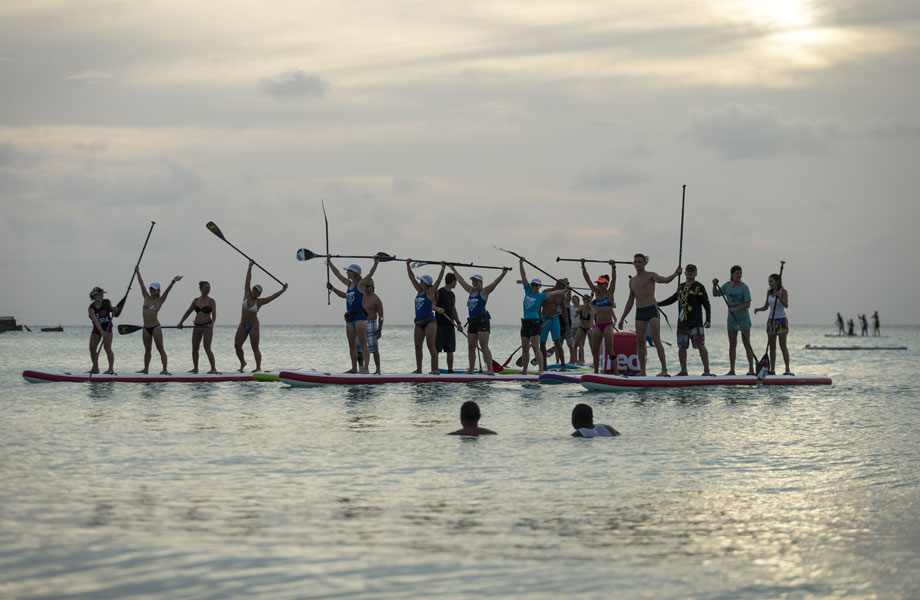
(249,319)
(153,302)
(642,292)
(355,315)
(478,327)
(426,327)
(100,313)
(738,297)
(205,308)
(864,324)
(840,327)
(876,327)
(778,324)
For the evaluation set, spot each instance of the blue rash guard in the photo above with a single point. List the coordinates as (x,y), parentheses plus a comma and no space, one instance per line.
(476,305)
(532,303)
(354,304)
(424,311)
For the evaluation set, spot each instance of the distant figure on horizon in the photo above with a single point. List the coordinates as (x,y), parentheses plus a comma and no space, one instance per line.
(850,326)
(875,324)
(864,325)
(469,418)
(583,422)
(840,328)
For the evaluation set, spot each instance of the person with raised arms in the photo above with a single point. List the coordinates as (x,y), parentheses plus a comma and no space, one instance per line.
(583,422)
(469,419)
(531,325)
(478,324)
(153,302)
(355,315)
(551,312)
(777,324)
(100,313)
(205,308)
(603,288)
(584,316)
(642,292)
(692,300)
(448,319)
(249,320)
(738,298)
(426,327)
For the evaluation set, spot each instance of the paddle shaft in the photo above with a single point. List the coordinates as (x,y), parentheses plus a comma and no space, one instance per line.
(592,260)
(328,280)
(680,251)
(515,254)
(420,263)
(766,354)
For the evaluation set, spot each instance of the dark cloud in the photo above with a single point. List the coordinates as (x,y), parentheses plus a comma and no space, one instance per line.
(737,132)
(608,178)
(294,85)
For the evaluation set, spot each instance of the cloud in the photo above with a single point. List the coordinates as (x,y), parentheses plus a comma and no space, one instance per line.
(406,185)
(737,132)
(8,153)
(608,178)
(89,76)
(294,85)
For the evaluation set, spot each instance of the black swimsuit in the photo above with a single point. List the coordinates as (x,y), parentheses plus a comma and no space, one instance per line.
(103,315)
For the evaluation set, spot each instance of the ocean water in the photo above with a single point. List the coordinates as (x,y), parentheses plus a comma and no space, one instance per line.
(233,490)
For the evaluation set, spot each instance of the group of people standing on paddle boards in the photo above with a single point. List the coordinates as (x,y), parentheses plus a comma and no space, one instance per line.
(864,323)
(547,313)
(101,313)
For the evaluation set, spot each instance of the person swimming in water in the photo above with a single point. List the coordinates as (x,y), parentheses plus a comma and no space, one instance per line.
(153,302)
(249,320)
(469,418)
(205,308)
(583,422)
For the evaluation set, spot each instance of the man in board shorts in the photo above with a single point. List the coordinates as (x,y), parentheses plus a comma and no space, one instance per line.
(692,299)
(642,292)
(446,337)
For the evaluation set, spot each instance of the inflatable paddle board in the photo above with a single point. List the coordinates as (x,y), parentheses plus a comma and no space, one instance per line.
(618,383)
(810,347)
(307,378)
(40,376)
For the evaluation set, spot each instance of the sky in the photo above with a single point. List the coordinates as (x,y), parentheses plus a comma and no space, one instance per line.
(435,130)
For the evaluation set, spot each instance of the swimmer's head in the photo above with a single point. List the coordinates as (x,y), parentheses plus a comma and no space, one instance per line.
(582,416)
(469,413)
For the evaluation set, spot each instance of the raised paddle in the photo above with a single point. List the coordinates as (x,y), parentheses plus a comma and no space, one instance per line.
(572,287)
(421,263)
(328,281)
(304,254)
(592,260)
(680,251)
(126,329)
(213,228)
(765,360)
(515,254)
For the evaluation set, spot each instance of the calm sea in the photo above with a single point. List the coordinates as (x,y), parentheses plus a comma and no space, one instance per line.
(253,490)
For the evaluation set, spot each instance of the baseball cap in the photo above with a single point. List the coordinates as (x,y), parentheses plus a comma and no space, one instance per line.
(477,276)
(154,286)
(354,267)
(426,279)
(257,287)
(536,280)
(96,290)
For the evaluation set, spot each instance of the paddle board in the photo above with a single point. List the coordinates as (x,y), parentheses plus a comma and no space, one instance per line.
(41,376)
(557,378)
(306,378)
(618,383)
(810,347)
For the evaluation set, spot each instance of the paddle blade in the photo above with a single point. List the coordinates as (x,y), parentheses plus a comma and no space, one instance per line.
(496,366)
(764,368)
(304,254)
(121,305)
(384,257)
(213,228)
(125,329)
(520,361)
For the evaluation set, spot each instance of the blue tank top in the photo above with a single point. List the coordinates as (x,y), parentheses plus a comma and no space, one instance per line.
(476,305)
(354,300)
(423,307)
(602,302)
(532,303)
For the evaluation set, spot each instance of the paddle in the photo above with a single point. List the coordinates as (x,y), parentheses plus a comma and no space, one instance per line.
(421,263)
(121,303)
(328,281)
(213,228)
(765,360)
(680,251)
(593,260)
(516,255)
(572,287)
(304,254)
(126,329)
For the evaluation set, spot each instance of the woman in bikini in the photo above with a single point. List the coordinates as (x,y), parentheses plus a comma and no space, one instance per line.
(153,302)
(101,312)
(205,315)
(585,315)
(603,289)
(249,321)
(426,326)
(356,316)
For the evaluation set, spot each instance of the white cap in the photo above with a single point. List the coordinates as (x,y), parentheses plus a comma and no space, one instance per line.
(257,287)
(354,267)
(154,286)
(477,276)
(426,279)
(536,280)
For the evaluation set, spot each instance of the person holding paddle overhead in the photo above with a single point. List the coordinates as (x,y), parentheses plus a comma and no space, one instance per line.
(642,292)
(153,302)
(249,320)
(603,290)
(426,328)
(205,308)
(478,328)
(101,313)
(737,296)
(777,325)
(355,315)
(531,323)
